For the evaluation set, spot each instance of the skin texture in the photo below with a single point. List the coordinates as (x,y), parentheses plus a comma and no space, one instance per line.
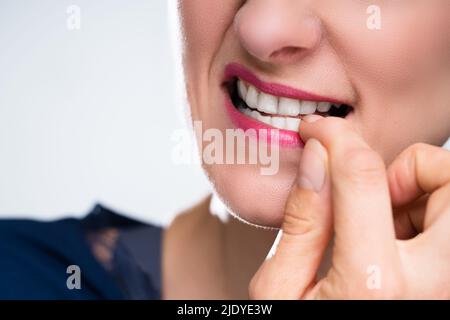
(396,78)
(377,253)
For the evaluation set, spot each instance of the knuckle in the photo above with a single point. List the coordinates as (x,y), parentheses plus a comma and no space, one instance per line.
(296,220)
(420,151)
(414,151)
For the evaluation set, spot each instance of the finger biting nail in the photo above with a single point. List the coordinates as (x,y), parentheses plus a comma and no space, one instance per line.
(312,118)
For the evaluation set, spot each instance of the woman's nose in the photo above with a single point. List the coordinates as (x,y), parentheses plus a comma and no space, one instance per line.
(278,31)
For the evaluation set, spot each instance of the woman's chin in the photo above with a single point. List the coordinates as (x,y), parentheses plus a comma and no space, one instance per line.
(265,219)
(255,199)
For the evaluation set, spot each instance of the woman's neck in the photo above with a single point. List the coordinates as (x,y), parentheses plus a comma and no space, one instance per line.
(205,258)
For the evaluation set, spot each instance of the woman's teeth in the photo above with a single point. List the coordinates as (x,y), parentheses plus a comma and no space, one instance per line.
(278,112)
(283,123)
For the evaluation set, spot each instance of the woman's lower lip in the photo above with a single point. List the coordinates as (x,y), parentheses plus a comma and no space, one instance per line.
(284,138)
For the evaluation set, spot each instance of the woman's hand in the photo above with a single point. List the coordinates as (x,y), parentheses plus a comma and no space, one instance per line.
(391,227)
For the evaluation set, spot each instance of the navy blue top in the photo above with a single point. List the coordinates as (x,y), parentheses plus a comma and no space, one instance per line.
(35,256)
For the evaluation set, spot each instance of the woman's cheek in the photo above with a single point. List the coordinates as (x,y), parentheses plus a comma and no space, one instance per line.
(408,34)
(204,24)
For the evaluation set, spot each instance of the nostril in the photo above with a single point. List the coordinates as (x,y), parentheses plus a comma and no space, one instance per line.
(287,52)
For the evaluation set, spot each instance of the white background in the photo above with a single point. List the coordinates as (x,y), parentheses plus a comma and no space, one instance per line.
(87,115)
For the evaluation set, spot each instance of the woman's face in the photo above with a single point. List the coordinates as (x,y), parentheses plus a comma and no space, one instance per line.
(386,62)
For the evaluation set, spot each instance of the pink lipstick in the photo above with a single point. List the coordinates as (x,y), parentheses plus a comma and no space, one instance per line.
(244,117)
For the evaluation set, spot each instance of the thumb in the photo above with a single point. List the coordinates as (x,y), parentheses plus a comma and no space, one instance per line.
(305,232)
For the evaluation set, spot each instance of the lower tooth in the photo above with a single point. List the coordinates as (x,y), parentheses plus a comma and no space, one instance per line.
(282,123)
(279,122)
(264,119)
(292,124)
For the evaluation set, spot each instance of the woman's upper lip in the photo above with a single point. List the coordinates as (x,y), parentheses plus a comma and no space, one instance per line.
(234,70)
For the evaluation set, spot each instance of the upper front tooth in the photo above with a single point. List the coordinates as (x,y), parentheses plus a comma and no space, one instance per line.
(288,107)
(267,103)
(252,97)
(308,107)
(242,89)
(324,106)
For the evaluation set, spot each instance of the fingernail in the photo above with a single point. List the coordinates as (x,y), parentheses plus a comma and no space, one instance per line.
(312,169)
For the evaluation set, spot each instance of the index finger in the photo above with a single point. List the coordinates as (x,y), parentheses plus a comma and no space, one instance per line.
(360,194)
